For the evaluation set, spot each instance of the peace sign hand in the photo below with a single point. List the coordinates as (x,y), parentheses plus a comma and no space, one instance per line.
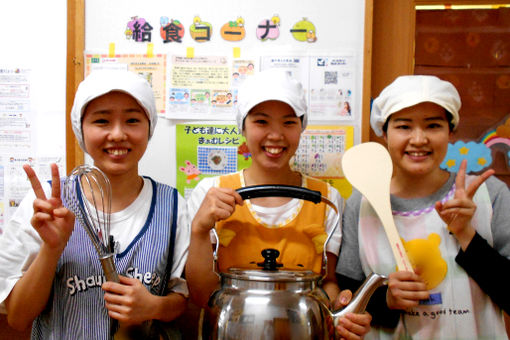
(52,221)
(458,212)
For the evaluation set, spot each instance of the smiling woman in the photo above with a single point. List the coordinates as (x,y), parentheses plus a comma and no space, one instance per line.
(271,114)
(113,118)
(116,132)
(461,220)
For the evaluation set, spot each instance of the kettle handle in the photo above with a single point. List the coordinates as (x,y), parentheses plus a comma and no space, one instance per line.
(280,190)
(256,191)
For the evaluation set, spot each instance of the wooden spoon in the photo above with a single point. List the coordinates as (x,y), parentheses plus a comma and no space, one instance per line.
(368,168)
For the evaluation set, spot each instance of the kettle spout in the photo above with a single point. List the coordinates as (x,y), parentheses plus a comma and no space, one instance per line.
(362,296)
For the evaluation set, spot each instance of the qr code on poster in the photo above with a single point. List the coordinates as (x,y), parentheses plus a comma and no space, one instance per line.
(330,77)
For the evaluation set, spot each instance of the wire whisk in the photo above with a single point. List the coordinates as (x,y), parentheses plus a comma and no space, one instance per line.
(87,193)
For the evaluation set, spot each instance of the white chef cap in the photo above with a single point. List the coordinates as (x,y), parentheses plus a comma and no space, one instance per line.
(407,91)
(271,84)
(101,82)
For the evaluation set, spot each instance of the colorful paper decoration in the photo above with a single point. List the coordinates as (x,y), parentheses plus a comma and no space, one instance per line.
(304,30)
(269,29)
(478,155)
(171,30)
(139,30)
(233,30)
(200,31)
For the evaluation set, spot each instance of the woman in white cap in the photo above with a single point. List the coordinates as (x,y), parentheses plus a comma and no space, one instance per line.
(272,113)
(454,226)
(50,276)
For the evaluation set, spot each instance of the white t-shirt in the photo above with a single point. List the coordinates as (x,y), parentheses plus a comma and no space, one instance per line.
(20,243)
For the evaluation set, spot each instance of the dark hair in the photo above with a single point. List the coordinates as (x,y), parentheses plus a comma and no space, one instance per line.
(449,117)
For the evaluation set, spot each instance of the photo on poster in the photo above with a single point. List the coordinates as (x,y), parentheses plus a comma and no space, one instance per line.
(217,160)
(200,99)
(222,98)
(241,70)
(179,100)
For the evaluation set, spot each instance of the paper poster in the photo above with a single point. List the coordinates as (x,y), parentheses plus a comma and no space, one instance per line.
(207,80)
(16,182)
(298,67)
(320,152)
(15,110)
(151,68)
(2,217)
(16,137)
(329,83)
(205,150)
(2,195)
(332,84)
(15,132)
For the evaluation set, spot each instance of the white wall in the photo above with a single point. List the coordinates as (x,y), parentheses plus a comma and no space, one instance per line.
(339,25)
(34,37)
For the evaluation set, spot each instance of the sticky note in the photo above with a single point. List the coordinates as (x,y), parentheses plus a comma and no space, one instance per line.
(237,52)
(150,50)
(190,52)
(111,50)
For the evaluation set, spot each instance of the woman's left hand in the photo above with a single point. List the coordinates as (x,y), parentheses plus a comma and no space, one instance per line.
(353,325)
(458,212)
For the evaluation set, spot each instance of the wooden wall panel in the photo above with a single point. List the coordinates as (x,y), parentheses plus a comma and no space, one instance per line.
(394,41)
(75,47)
(393,37)
(471,49)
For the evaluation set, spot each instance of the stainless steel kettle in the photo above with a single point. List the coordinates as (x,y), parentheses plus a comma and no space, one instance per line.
(278,304)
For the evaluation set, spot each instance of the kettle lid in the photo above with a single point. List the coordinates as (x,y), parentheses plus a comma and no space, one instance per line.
(269,271)
(271,276)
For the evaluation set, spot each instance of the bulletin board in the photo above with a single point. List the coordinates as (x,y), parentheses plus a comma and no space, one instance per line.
(32,99)
(342,32)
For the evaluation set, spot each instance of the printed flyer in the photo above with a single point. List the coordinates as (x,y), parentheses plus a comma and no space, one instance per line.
(16,137)
(206,150)
(331,87)
(329,83)
(152,68)
(197,85)
(320,153)
(298,67)
(15,110)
